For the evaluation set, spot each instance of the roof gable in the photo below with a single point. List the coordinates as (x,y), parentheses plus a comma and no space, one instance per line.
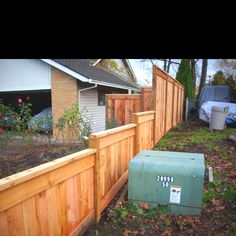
(121,67)
(91,74)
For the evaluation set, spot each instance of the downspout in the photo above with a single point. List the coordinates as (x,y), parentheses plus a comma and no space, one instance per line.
(81,90)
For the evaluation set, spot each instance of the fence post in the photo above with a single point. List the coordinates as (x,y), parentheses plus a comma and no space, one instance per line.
(173,103)
(166,99)
(142,141)
(94,143)
(137,147)
(177,110)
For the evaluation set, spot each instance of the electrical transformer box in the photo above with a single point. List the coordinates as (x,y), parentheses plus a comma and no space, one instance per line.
(174,179)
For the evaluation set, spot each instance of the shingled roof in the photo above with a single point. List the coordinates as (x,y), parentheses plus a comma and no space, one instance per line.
(83,67)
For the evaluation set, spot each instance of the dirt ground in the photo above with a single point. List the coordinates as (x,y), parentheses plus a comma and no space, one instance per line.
(218,214)
(23,154)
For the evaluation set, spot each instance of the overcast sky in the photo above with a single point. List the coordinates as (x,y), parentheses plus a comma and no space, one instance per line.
(143,70)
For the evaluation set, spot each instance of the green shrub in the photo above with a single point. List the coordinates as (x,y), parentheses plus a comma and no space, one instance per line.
(5,138)
(112,123)
(8,118)
(79,123)
(24,113)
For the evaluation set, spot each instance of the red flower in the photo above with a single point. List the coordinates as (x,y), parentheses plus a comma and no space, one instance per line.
(1,116)
(19,100)
(27,97)
(14,116)
(1,130)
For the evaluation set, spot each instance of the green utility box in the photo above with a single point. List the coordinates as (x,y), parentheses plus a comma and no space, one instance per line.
(174,179)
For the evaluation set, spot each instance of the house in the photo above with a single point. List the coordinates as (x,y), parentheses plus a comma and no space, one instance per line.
(58,83)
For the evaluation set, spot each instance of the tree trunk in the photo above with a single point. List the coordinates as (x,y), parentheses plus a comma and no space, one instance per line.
(165,64)
(193,69)
(168,66)
(203,75)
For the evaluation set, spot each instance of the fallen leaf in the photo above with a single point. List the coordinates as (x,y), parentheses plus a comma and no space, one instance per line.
(167,232)
(144,206)
(125,233)
(216,202)
(210,210)
(220,208)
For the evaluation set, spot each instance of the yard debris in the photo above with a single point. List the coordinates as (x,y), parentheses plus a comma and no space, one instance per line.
(144,206)
(127,232)
(121,198)
(167,232)
(232,136)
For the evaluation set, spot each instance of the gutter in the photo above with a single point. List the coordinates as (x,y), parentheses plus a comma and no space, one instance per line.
(66,70)
(114,85)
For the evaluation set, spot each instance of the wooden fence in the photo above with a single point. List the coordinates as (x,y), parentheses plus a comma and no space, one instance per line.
(146,99)
(115,148)
(121,107)
(144,130)
(56,198)
(67,195)
(168,101)
(165,97)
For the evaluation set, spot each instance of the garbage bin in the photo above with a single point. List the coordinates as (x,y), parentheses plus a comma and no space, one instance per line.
(218,117)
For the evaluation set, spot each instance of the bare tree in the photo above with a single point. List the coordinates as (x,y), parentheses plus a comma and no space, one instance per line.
(228,66)
(165,64)
(168,65)
(193,63)
(203,75)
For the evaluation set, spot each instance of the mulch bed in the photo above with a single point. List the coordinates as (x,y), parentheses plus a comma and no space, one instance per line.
(18,157)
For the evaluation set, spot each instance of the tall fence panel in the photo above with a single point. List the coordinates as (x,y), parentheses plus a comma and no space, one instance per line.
(56,198)
(159,103)
(146,99)
(168,97)
(120,107)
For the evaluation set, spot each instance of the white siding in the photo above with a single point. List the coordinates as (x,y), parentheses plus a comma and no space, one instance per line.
(89,99)
(24,74)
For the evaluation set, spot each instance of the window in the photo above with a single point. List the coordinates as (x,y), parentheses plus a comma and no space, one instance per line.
(101,98)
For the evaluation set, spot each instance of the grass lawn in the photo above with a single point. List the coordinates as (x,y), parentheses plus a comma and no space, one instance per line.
(218,215)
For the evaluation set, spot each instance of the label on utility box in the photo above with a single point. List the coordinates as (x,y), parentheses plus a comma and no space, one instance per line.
(175,194)
(165,180)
